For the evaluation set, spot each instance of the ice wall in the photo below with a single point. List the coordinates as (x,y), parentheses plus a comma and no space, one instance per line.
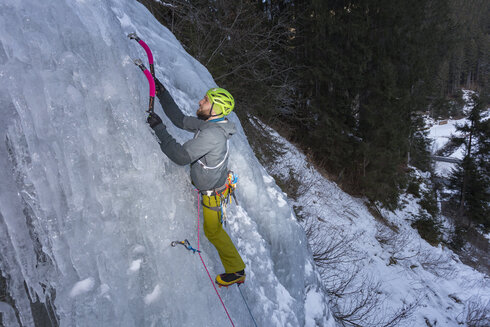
(89,204)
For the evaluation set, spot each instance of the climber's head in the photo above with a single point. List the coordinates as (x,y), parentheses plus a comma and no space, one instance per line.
(217,102)
(205,110)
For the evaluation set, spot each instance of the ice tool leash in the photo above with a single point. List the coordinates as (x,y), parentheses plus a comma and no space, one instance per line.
(150,76)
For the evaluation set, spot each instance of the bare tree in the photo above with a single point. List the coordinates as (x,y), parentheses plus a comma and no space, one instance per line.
(438,264)
(395,243)
(357,299)
(476,312)
(245,49)
(365,304)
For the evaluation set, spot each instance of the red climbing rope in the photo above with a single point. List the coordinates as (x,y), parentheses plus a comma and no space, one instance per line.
(198,248)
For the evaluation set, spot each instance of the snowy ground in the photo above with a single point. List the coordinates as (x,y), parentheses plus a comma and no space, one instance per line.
(441,132)
(394,266)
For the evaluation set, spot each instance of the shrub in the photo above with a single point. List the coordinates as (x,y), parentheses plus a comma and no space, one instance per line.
(414,188)
(429,203)
(458,238)
(429,229)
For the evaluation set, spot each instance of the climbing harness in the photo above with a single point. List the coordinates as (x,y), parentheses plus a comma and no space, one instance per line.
(232,183)
(224,194)
(150,76)
(186,244)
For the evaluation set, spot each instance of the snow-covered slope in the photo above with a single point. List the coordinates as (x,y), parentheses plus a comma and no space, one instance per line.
(378,271)
(89,204)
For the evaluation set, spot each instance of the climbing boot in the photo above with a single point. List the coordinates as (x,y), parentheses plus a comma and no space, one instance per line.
(230,279)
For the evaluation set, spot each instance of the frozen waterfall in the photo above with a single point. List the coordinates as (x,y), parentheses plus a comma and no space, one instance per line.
(89,204)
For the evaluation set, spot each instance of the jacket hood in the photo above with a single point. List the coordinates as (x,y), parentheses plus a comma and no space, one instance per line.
(227,126)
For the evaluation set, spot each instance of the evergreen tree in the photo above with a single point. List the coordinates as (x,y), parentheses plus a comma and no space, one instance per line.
(467,58)
(471,179)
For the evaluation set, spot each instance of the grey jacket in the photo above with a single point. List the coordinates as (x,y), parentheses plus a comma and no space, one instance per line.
(207,152)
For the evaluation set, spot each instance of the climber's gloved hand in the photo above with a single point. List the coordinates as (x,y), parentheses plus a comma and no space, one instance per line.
(159,88)
(154,120)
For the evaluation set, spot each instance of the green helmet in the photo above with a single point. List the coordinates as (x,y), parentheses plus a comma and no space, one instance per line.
(222,100)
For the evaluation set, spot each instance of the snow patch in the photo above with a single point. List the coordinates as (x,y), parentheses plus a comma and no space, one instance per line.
(135,265)
(138,249)
(82,287)
(104,288)
(313,308)
(308,268)
(154,295)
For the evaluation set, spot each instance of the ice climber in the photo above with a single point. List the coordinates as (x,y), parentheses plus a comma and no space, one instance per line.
(207,153)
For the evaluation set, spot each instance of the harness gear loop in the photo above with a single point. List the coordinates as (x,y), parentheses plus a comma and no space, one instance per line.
(225,194)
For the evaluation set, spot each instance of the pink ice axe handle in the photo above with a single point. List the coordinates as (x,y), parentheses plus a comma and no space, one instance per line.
(134,36)
(148,75)
(150,81)
(148,51)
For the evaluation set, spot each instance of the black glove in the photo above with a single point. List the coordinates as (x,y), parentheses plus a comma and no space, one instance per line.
(153,120)
(159,88)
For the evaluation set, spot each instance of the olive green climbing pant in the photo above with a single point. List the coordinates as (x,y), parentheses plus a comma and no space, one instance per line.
(213,229)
